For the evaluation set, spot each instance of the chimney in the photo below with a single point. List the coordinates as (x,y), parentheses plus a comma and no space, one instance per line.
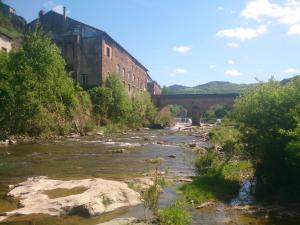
(64,12)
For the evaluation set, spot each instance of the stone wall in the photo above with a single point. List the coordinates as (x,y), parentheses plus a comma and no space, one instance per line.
(196,104)
(116,60)
(5,43)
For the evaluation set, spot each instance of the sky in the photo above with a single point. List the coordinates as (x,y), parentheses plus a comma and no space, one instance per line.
(191,42)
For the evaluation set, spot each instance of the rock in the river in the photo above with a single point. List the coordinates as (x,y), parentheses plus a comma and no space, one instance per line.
(101,196)
(172,156)
(204,205)
(124,221)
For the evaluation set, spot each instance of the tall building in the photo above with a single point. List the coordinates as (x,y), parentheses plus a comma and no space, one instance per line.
(91,54)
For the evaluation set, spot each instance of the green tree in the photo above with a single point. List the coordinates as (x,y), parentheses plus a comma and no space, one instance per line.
(268,117)
(143,110)
(102,101)
(42,97)
(121,107)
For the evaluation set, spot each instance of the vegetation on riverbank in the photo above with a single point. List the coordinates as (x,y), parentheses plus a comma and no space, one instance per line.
(259,140)
(39,99)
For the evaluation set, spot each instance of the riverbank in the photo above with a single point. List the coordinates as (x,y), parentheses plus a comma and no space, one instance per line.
(123,158)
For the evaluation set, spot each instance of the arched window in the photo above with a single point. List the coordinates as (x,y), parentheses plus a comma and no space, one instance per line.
(123,74)
(118,69)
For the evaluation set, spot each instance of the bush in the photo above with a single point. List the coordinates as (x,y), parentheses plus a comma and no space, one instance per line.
(268,117)
(174,215)
(39,98)
(102,101)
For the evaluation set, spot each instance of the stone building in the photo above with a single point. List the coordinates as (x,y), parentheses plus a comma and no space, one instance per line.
(92,55)
(6,42)
(154,88)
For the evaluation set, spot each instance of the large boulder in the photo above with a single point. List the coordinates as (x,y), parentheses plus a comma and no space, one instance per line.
(99,196)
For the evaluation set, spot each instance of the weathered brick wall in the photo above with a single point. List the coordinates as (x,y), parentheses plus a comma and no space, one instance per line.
(133,76)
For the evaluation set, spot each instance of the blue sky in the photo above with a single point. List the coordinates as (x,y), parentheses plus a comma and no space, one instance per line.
(190,42)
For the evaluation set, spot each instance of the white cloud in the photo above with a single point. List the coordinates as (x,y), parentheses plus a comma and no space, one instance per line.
(48,4)
(242,33)
(292,71)
(220,8)
(286,13)
(182,49)
(231,62)
(59,9)
(233,45)
(294,30)
(180,71)
(233,73)
(211,67)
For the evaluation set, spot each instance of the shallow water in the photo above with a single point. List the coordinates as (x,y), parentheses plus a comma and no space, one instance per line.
(88,157)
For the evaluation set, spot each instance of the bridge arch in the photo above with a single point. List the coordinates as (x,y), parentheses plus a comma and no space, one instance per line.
(196,104)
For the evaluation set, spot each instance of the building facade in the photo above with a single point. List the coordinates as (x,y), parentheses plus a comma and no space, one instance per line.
(92,55)
(6,43)
(153,88)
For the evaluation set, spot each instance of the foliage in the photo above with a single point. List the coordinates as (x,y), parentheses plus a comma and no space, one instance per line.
(228,138)
(143,110)
(102,100)
(38,97)
(165,117)
(176,109)
(174,215)
(268,118)
(13,25)
(218,111)
(121,106)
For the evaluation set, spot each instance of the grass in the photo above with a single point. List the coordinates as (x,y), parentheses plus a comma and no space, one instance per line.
(173,215)
(217,184)
(210,187)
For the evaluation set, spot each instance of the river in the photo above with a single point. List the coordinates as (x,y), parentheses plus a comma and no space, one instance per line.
(101,157)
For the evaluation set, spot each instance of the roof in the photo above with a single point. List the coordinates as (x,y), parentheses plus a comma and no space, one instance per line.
(102,32)
(6,35)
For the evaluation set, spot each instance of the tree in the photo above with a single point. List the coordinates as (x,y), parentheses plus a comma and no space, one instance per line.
(268,117)
(102,101)
(121,107)
(42,96)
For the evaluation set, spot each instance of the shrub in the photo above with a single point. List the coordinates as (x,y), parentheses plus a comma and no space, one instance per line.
(268,117)
(174,215)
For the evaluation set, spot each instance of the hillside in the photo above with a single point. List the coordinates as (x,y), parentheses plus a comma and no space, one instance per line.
(11,25)
(214,87)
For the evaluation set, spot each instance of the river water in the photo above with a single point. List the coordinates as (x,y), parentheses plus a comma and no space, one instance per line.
(96,157)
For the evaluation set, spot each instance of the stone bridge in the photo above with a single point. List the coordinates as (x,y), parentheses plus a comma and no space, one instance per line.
(195,104)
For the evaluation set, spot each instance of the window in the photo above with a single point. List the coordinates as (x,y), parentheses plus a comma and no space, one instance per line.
(128,77)
(118,69)
(84,79)
(123,74)
(108,52)
(3,49)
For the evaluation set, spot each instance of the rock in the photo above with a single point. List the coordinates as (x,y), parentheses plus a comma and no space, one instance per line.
(100,197)
(12,141)
(6,142)
(119,151)
(187,180)
(192,145)
(172,156)
(89,134)
(124,221)
(205,205)
(100,133)
(161,142)
(146,139)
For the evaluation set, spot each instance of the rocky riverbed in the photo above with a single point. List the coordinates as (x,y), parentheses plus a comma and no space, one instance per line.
(92,180)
